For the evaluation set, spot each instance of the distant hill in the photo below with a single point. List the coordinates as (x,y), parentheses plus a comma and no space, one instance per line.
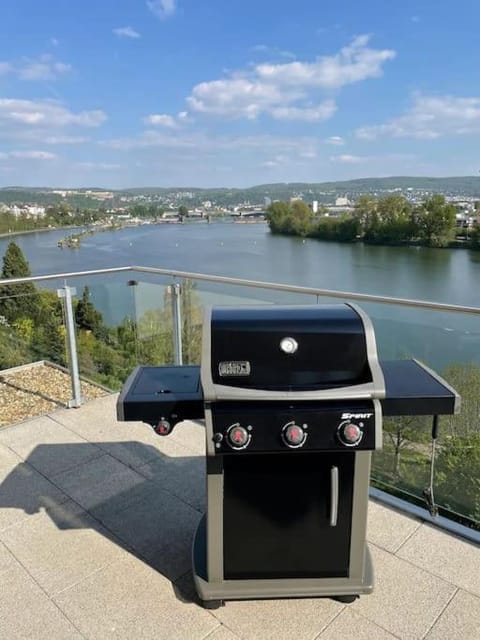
(458,185)
(468,186)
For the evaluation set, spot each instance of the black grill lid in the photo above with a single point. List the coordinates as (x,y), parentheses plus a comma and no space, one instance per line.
(264,351)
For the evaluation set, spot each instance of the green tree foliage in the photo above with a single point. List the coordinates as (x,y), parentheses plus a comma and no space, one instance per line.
(87,317)
(16,301)
(344,229)
(435,221)
(294,218)
(458,474)
(388,220)
(277,215)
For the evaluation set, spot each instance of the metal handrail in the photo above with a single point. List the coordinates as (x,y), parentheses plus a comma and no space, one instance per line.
(365,297)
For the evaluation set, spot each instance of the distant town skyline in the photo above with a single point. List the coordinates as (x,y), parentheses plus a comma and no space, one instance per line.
(211,94)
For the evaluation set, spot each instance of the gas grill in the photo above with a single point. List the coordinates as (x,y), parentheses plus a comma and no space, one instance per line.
(292,399)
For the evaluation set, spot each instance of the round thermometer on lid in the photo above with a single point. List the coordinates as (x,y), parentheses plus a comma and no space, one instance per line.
(288,345)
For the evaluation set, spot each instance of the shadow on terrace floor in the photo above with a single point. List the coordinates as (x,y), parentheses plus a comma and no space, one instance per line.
(152,511)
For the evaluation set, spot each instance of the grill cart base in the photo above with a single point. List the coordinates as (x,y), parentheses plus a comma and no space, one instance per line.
(213,593)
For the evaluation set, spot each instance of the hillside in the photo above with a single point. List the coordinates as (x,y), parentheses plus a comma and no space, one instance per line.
(468,186)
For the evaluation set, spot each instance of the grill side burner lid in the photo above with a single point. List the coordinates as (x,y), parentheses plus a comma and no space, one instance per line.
(289,352)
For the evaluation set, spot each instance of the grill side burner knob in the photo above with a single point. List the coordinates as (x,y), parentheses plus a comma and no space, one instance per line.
(238,437)
(293,435)
(163,427)
(349,433)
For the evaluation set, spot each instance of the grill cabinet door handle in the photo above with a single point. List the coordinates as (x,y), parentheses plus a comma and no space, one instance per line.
(333,496)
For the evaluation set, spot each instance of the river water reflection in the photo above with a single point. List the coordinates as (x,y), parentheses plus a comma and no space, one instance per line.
(250,251)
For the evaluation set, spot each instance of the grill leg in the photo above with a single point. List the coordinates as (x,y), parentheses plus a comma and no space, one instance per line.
(212,604)
(345,599)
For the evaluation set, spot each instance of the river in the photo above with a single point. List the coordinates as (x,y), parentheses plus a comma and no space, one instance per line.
(251,251)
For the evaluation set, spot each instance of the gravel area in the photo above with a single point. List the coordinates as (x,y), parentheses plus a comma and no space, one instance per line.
(36,390)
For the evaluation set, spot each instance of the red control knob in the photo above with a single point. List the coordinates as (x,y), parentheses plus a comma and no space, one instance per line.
(350,433)
(163,427)
(238,437)
(293,435)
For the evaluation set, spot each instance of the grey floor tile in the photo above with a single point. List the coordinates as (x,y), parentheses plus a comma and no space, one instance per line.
(158,526)
(92,419)
(387,528)
(182,475)
(131,452)
(48,446)
(7,561)
(135,454)
(24,491)
(62,546)
(461,619)
(8,459)
(131,600)
(26,612)
(190,434)
(352,626)
(445,555)
(222,633)
(100,483)
(278,619)
(406,600)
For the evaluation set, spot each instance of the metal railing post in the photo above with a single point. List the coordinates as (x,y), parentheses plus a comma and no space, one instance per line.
(176,291)
(67,293)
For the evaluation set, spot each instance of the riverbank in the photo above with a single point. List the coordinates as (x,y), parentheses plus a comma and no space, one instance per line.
(40,230)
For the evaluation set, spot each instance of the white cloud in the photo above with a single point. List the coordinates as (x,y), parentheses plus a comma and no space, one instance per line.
(161,119)
(162,8)
(335,140)
(273,51)
(323,111)
(32,155)
(346,158)
(353,63)
(280,90)
(65,140)
(44,68)
(126,32)
(102,166)
(45,114)
(430,117)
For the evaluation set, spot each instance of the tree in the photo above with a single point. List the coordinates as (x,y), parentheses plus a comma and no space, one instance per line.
(277,214)
(182,211)
(20,300)
(87,317)
(435,220)
(301,218)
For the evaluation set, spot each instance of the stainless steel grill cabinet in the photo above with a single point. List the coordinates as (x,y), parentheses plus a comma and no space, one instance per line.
(292,399)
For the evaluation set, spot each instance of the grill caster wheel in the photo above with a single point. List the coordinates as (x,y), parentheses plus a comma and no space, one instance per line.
(212,604)
(345,599)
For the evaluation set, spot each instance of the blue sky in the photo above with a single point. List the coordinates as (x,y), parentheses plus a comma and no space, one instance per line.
(123,93)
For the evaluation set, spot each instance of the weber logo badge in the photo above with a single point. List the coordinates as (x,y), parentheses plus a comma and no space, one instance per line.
(234,368)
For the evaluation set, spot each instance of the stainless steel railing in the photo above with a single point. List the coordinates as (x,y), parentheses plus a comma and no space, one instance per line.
(274,286)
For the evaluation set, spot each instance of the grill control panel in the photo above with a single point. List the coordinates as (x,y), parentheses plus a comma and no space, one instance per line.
(294,427)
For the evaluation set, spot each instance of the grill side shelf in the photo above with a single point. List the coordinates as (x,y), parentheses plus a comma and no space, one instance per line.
(414,389)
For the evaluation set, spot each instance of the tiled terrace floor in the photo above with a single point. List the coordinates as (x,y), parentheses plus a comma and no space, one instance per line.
(96,522)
